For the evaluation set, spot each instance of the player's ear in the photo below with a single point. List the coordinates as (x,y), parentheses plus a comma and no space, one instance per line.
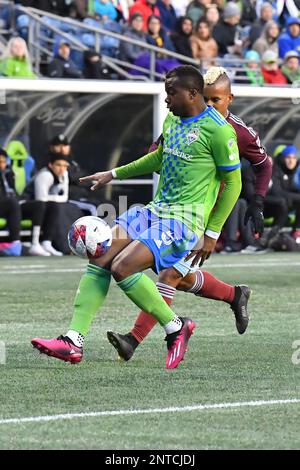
(193,93)
(231,98)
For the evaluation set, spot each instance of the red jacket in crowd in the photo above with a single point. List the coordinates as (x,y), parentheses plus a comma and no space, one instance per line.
(145,9)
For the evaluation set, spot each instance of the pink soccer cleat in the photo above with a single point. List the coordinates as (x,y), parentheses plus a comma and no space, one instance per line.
(62,348)
(177,343)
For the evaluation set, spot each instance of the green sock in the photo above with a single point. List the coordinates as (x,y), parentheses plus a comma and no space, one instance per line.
(91,293)
(143,292)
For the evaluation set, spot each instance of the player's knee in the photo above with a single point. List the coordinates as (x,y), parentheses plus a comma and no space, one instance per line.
(171,277)
(120,269)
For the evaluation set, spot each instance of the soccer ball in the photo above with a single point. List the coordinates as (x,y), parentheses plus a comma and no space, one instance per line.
(89,237)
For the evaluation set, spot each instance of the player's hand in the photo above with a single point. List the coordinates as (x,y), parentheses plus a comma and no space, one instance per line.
(204,253)
(97,179)
(254,213)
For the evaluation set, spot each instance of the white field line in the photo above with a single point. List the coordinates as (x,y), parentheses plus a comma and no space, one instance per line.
(97,414)
(207,266)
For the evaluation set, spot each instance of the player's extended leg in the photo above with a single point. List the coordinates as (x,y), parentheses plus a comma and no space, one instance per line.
(126,344)
(143,292)
(200,283)
(91,293)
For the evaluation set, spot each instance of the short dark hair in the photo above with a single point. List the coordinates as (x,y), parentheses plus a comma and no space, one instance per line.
(3,153)
(53,157)
(188,76)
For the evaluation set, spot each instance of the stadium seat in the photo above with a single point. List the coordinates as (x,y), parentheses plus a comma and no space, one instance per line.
(22,164)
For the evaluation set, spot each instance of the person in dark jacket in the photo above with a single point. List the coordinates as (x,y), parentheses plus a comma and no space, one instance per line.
(284,183)
(94,67)
(266,14)
(167,14)
(225,32)
(9,208)
(62,66)
(181,36)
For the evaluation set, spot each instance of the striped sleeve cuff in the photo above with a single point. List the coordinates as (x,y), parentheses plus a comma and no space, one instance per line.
(212,234)
(229,167)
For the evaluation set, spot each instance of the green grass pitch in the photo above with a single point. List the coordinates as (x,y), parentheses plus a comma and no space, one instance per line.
(220,367)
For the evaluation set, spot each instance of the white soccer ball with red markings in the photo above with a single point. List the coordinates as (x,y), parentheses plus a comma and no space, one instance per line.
(90,237)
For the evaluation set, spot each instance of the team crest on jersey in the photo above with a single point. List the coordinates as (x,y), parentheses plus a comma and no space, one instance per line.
(193,135)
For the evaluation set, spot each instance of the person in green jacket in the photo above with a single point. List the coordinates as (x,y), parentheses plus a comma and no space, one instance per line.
(291,67)
(15,61)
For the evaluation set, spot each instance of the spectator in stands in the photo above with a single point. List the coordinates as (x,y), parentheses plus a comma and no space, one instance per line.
(180,7)
(94,67)
(203,45)
(196,10)
(58,7)
(135,30)
(62,66)
(212,15)
(9,209)
(82,8)
(157,35)
(181,37)
(286,9)
(49,189)
(248,13)
(266,14)
(268,40)
(105,8)
(16,61)
(167,14)
(290,68)
(225,32)
(285,170)
(251,72)
(270,69)
(290,40)
(145,8)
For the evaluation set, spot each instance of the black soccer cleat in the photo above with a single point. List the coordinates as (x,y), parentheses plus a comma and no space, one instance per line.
(239,307)
(124,344)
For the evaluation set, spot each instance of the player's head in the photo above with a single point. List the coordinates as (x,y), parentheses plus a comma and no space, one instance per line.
(58,164)
(3,159)
(184,88)
(60,144)
(217,89)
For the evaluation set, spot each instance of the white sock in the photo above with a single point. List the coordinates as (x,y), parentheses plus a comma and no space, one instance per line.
(165,290)
(36,231)
(77,338)
(173,325)
(47,243)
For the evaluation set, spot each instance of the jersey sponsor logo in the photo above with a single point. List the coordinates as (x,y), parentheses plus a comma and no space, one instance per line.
(193,135)
(178,153)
